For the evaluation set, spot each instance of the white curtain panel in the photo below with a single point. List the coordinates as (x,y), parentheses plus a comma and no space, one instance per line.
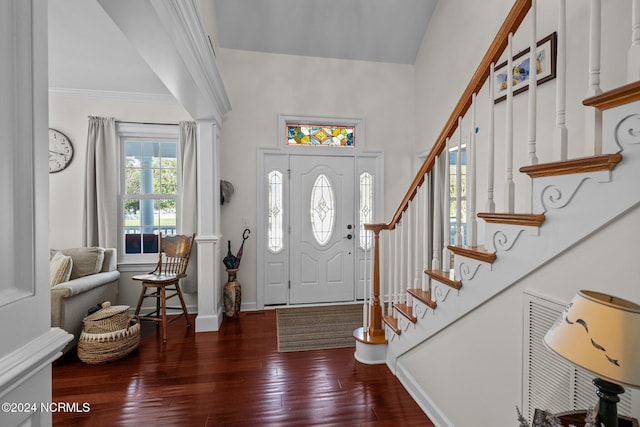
(101,184)
(188,218)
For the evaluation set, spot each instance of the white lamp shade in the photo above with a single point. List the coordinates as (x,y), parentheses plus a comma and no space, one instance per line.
(600,333)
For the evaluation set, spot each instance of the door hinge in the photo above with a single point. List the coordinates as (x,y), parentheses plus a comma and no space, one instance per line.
(289,284)
(289,173)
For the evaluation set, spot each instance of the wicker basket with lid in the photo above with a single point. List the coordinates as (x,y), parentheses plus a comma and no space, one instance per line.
(108,319)
(109,334)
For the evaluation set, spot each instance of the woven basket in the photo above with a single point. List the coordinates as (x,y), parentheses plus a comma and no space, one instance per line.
(108,319)
(95,349)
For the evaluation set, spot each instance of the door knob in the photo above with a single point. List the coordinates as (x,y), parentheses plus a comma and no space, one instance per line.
(348,236)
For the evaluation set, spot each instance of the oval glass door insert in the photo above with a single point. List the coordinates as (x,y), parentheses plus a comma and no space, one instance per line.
(322,209)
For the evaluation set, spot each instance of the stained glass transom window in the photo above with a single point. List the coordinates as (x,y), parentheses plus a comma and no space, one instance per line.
(322,209)
(336,136)
(275,233)
(366,208)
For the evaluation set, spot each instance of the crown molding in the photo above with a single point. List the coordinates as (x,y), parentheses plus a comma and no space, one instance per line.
(106,95)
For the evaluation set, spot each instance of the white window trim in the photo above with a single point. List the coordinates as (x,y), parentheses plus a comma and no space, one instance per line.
(143,131)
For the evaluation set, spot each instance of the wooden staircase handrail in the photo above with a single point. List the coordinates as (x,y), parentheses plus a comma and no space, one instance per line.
(493,54)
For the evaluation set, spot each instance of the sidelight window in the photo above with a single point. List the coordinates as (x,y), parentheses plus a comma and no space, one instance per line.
(275,233)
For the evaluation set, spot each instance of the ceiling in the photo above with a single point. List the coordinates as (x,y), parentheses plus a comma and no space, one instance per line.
(368,30)
(87,51)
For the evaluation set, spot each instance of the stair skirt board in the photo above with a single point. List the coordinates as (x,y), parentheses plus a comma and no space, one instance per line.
(423,400)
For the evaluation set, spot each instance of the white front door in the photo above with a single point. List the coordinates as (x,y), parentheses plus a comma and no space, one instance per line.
(322,234)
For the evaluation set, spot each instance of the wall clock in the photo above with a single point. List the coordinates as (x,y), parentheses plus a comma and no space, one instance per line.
(60,151)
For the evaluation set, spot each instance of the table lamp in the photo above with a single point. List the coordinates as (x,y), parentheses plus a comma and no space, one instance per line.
(601,333)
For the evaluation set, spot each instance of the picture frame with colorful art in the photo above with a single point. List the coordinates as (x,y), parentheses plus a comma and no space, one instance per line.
(546,52)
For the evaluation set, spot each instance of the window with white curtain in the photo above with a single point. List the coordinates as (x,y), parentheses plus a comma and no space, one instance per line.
(149,189)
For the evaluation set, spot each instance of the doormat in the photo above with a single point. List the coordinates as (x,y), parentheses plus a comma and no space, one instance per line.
(316,328)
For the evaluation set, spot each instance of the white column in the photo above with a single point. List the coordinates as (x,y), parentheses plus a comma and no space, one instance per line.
(561,133)
(509,186)
(533,85)
(593,116)
(208,237)
(491,206)
(472,224)
(633,61)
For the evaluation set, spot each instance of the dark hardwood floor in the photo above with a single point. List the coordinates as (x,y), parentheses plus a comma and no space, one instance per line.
(233,377)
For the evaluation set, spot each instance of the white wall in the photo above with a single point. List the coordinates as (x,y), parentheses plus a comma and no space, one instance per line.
(69,113)
(473,369)
(261,86)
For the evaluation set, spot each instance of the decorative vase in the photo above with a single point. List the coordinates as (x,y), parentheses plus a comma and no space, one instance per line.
(232,294)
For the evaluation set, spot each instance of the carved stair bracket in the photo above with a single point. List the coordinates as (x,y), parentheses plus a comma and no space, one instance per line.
(419,309)
(628,131)
(559,194)
(467,269)
(440,292)
(504,239)
(403,323)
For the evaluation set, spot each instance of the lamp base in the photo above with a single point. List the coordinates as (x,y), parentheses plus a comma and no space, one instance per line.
(607,405)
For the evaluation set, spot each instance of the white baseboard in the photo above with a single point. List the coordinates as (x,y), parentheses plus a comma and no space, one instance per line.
(421,398)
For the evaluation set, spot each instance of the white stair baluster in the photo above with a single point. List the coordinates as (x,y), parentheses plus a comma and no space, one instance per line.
(458,235)
(417,262)
(408,221)
(391,270)
(472,224)
(509,186)
(491,206)
(561,134)
(425,229)
(446,253)
(633,57)
(593,116)
(437,209)
(397,264)
(533,85)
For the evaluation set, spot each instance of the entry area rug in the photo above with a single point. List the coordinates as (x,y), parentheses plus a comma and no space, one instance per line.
(316,328)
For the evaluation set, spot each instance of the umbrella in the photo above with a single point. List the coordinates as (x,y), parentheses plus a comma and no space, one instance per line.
(229,261)
(245,236)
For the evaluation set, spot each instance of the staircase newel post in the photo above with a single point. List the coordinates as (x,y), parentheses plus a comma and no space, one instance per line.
(375,318)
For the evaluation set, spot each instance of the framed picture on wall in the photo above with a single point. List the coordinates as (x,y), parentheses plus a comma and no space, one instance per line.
(546,66)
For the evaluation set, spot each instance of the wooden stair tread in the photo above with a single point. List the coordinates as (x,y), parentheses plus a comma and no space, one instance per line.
(365,337)
(531,220)
(581,165)
(406,311)
(392,322)
(445,277)
(475,252)
(424,296)
(615,97)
